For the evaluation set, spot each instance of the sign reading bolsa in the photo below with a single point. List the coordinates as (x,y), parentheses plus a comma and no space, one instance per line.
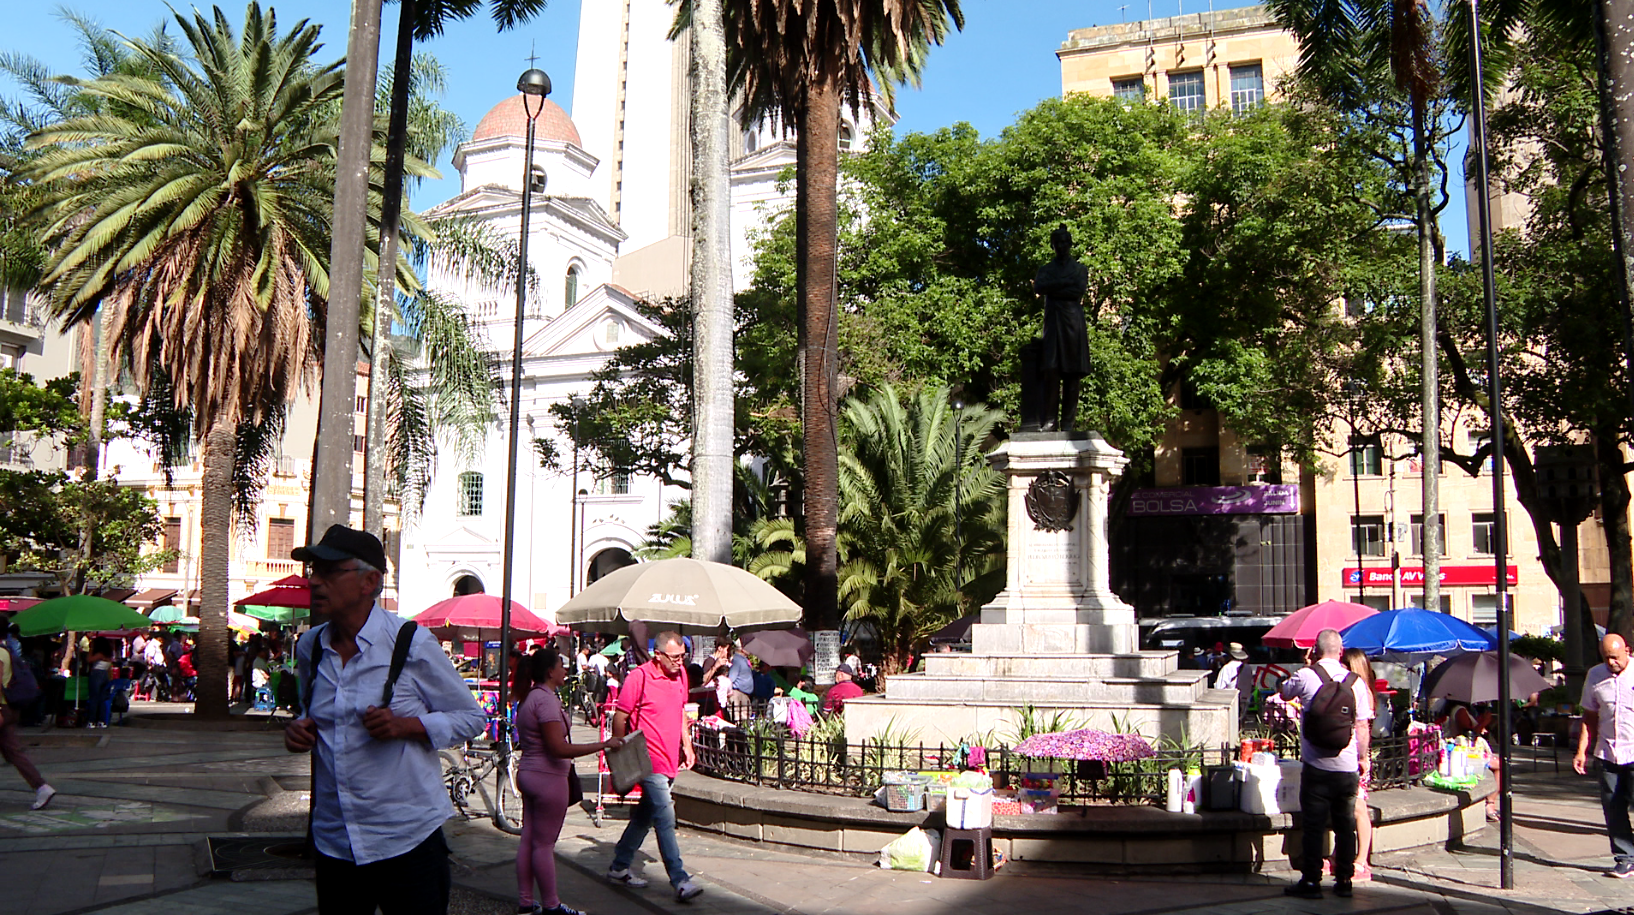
(1475,576)
(1270,499)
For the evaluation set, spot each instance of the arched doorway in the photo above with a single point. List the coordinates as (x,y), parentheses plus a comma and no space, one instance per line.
(467,584)
(606,561)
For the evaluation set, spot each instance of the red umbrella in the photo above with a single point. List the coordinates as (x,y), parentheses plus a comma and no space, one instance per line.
(281,595)
(478,615)
(13,604)
(1299,628)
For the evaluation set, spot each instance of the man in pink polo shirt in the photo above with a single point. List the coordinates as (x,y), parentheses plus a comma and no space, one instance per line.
(1608,722)
(653,699)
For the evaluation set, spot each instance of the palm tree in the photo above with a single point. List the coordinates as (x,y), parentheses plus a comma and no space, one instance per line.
(195,209)
(921,520)
(1348,50)
(799,60)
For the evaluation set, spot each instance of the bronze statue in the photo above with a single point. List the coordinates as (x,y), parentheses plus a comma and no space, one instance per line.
(1063,348)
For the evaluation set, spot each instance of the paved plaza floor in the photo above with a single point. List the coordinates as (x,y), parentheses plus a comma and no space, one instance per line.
(125,836)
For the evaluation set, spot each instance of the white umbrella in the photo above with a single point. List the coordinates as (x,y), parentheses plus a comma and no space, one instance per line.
(689,595)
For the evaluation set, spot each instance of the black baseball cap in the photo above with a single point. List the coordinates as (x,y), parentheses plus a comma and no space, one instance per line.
(340,543)
(844,669)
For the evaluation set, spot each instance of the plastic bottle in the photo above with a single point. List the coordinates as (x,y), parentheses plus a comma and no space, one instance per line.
(1177,791)
(1194,790)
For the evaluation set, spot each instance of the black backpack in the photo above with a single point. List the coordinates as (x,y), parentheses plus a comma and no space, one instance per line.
(1330,717)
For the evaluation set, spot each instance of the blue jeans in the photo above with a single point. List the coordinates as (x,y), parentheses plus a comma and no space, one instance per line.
(101,701)
(656,811)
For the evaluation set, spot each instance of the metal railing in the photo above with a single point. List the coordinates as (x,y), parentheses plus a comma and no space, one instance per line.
(823,762)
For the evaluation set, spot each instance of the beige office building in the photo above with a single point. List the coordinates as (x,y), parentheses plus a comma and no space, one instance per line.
(1227,530)
(1234,58)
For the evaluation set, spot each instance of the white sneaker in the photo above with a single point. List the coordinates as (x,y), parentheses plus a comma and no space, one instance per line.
(687,891)
(626,878)
(43,797)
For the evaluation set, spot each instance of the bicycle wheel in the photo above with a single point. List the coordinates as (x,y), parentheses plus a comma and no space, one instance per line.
(507,799)
(457,780)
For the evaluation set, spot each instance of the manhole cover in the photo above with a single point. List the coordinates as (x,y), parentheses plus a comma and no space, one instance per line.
(233,853)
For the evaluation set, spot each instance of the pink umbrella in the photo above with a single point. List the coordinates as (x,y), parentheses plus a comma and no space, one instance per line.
(477,615)
(13,604)
(1299,628)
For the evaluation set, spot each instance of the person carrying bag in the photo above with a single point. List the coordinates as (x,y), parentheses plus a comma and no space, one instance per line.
(547,780)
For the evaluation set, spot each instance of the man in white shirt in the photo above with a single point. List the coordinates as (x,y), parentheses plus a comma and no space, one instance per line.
(1608,722)
(1330,776)
(378,802)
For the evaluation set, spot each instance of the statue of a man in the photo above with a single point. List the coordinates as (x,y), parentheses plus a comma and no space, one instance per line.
(1065,341)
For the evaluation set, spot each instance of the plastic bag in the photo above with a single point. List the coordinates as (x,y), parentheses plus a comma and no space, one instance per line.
(910,851)
(799,719)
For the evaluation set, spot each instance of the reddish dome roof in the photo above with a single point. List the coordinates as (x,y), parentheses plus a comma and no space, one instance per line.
(508,119)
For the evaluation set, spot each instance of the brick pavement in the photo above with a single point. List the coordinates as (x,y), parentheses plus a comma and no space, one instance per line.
(124,837)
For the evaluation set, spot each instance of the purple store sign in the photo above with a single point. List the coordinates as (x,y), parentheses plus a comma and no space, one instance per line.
(1271,499)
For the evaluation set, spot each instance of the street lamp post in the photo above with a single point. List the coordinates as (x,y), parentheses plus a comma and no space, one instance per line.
(1500,526)
(1353,393)
(534,86)
(577,403)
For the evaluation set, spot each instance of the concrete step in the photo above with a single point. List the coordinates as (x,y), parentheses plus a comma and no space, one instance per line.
(1054,667)
(1178,687)
(1210,720)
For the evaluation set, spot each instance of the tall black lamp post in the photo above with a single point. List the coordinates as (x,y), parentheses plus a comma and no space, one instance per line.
(534,86)
(1353,393)
(1500,525)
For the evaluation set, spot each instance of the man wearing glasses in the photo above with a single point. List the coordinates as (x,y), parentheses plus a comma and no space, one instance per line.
(378,802)
(653,699)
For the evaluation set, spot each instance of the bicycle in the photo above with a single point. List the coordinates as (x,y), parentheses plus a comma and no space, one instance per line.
(471,772)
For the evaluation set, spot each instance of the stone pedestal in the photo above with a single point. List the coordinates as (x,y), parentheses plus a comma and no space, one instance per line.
(1056,638)
(1057,598)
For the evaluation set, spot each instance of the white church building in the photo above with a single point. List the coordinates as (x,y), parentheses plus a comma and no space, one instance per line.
(609,226)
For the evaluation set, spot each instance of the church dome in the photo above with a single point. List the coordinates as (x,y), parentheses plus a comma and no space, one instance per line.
(509,119)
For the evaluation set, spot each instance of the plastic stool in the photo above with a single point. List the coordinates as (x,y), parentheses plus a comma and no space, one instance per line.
(967,854)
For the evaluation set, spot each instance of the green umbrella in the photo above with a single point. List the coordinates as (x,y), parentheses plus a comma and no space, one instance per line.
(275,614)
(78,613)
(167,614)
(614,650)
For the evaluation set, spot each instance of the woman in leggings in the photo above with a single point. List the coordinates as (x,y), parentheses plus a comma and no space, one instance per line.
(542,729)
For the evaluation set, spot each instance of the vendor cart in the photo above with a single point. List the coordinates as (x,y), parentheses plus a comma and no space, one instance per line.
(596,803)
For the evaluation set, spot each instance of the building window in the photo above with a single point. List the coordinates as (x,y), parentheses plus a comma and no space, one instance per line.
(620,484)
(1418,534)
(1131,89)
(1479,439)
(280,537)
(1483,609)
(1192,399)
(173,543)
(1186,90)
(357,444)
(1264,464)
(537,185)
(1247,87)
(751,141)
(570,287)
(1416,599)
(1367,535)
(1200,466)
(847,138)
(470,494)
(1483,531)
(11,357)
(1366,457)
(362,404)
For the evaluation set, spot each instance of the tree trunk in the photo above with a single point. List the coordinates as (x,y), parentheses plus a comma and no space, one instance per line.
(1614,518)
(391,208)
(93,440)
(711,288)
(332,477)
(818,202)
(215,554)
(1614,36)
(1430,395)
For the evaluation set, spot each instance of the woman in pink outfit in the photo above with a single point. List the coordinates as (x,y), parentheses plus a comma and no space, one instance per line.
(543,728)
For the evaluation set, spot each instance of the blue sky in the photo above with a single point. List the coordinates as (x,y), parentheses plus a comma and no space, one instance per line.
(1002,63)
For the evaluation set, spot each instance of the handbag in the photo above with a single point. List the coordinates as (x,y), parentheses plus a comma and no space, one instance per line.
(575,788)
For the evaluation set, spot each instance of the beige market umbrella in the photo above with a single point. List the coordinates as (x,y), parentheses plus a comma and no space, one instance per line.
(689,595)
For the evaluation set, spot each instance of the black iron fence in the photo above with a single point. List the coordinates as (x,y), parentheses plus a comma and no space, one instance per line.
(823,762)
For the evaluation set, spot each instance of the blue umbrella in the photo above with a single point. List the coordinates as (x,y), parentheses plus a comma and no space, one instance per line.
(1415,634)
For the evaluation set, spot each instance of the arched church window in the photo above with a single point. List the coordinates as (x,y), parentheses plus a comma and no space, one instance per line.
(570,290)
(470,494)
(751,141)
(538,182)
(846,136)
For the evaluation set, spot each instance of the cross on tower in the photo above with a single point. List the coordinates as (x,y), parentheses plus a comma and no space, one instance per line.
(532,57)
